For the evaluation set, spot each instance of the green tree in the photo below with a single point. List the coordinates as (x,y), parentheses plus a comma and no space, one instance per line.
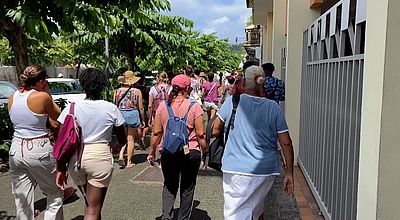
(41,20)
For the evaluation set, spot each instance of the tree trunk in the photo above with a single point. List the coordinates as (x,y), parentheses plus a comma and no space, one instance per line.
(78,68)
(18,41)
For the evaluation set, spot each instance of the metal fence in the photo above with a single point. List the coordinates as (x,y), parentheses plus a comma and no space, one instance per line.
(330,117)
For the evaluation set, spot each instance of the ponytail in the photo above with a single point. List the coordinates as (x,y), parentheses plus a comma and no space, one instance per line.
(174,93)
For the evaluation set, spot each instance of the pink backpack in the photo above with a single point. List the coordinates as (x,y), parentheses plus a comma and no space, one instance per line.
(162,95)
(69,140)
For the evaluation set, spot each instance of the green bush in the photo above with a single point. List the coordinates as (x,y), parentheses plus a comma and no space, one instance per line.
(6,131)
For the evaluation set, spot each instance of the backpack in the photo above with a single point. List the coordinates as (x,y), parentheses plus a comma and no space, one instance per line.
(162,95)
(69,140)
(217,146)
(176,135)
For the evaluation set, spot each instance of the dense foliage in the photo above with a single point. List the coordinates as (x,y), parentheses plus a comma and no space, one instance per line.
(141,38)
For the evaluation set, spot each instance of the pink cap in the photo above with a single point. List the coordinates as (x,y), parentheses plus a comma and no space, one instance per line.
(181,80)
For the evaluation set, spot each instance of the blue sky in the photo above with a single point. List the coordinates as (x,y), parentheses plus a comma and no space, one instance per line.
(225,17)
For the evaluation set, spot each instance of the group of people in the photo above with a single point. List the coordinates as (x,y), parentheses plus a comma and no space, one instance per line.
(175,114)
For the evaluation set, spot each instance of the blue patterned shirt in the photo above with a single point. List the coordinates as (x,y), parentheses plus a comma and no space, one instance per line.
(274,89)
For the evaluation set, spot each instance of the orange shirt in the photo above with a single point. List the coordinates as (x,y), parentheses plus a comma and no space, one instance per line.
(180,107)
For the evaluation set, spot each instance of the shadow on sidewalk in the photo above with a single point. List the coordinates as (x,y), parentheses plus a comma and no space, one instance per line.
(197,214)
(4,215)
(139,158)
(209,172)
(42,203)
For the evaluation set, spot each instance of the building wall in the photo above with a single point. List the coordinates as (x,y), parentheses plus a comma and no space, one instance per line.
(300,16)
(379,157)
(279,34)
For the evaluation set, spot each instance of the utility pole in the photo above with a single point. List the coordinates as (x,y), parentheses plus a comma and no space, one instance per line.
(107,70)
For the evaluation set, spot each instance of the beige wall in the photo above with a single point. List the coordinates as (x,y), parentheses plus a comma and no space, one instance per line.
(279,34)
(300,16)
(268,40)
(378,193)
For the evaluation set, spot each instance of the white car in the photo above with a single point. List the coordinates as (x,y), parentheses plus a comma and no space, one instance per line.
(66,88)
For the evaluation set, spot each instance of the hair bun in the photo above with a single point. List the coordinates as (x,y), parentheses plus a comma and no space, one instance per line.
(260,80)
(23,77)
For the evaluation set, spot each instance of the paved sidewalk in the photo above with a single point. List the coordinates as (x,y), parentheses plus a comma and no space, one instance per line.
(136,194)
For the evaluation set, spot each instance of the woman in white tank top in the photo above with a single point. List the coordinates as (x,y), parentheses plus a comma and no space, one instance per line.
(30,156)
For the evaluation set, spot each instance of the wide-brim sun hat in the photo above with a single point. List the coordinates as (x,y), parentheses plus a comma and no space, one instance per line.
(130,78)
(202,74)
(182,81)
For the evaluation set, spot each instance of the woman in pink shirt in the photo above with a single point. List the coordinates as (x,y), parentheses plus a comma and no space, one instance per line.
(185,161)
(210,91)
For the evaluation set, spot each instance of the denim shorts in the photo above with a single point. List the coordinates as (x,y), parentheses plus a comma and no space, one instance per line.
(132,119)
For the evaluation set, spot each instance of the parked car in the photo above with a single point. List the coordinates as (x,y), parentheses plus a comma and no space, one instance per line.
(6,90)
(65,88)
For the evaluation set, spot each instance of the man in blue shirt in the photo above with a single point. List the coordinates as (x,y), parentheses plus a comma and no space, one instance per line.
(251,159)
(274,88)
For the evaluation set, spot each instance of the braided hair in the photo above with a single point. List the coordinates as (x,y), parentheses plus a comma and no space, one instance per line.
(93,81)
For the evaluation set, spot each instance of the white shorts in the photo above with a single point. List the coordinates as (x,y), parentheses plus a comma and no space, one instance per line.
(244,195)
(96,166)
(210,106)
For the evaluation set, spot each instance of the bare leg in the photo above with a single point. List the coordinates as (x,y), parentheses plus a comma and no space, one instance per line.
(141,133)
(131,146)
(208,115)
(212,113)
(95,197)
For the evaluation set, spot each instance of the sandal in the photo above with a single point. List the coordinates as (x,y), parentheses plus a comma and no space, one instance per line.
(121,163)
(130,165)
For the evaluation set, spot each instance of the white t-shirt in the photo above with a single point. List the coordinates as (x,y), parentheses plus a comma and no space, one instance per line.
(97,119)
(153,91)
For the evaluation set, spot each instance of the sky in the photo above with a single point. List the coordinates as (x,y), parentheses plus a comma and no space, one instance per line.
(227,18)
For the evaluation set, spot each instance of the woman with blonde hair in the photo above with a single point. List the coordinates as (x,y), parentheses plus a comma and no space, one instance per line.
(30,156)
(129,101)
(158,93)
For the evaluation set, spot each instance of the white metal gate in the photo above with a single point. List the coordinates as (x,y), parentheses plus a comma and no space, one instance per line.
(331,94)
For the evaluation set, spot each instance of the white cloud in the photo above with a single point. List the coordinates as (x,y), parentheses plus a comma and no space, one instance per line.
(221,20)
(226,17)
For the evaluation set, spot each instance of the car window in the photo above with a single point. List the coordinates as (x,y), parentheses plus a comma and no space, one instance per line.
(58,88)
(6,90)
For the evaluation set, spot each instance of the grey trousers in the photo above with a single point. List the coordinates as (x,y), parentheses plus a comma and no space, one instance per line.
(31,164)
(181,167)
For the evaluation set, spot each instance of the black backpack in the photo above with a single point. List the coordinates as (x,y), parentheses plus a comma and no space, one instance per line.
(217,146)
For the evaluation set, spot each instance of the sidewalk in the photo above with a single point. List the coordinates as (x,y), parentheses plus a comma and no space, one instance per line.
(136,194)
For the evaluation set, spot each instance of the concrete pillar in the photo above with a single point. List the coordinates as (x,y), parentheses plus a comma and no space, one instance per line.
(300,16)
(378,193)
(265,43)
(269,45)
(278,35)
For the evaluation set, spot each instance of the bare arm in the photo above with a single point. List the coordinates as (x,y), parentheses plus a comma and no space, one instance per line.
(51,108)
(217,127)
(150,109)
(287,148)
(200,132)
(121,135)
(140,105)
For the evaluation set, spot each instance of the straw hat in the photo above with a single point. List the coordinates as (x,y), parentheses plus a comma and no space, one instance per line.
(130,78)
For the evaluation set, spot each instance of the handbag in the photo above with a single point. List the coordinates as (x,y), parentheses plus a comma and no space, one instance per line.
(217,146)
